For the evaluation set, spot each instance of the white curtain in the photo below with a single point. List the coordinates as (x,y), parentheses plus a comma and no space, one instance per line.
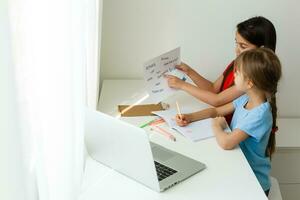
(12,167)
(45,69)
(93,46)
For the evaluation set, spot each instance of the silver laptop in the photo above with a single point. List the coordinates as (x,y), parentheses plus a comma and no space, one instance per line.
(127,149)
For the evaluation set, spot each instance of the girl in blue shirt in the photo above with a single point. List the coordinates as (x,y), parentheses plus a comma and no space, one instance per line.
(253,125)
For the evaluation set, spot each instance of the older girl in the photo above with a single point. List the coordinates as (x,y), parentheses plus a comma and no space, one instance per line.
(250,34)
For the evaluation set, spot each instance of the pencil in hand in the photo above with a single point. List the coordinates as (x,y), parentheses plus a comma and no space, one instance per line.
(178,110)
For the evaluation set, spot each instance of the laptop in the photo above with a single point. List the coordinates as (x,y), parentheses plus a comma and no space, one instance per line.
(127,149)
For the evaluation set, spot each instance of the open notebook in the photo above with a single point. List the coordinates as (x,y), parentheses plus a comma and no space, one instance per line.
(195,131)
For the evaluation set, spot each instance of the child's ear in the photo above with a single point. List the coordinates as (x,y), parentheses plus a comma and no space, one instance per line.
(250,84)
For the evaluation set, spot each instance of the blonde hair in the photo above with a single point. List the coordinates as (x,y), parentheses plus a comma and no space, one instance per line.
(263,68)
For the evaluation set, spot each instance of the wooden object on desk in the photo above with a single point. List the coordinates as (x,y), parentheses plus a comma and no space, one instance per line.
(139,110)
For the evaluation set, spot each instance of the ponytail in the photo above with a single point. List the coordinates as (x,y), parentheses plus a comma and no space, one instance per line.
(272,141)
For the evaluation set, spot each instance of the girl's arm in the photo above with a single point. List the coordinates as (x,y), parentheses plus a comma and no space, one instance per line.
(213,112)
(205,84)
(227,140)
(185,119)
(199,80)
(211,98)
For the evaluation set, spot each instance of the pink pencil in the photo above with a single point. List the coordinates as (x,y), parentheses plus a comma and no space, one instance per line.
(164,132)
(159,121)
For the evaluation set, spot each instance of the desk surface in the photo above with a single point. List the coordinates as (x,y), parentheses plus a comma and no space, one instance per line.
(227,176)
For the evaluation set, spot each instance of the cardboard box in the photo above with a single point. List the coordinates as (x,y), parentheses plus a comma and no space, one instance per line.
(139,110)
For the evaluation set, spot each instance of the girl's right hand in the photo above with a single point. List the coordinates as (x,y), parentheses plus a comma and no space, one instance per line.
(174,82)
(183,119)
(184,68)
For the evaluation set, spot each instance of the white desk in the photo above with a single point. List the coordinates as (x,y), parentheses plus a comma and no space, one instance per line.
(227,176)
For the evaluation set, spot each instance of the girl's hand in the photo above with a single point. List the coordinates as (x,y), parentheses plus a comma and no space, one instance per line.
(174,82)
(184,68)
(219,122)
(182,120)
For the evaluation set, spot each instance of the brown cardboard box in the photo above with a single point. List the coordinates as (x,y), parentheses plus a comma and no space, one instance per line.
(139,110)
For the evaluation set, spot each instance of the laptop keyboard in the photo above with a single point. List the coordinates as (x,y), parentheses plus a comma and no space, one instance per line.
(163,171)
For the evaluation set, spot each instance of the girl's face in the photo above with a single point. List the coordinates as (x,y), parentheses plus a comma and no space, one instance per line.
(240,81)
(242,44)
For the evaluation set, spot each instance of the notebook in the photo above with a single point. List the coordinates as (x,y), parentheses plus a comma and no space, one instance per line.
(195,131)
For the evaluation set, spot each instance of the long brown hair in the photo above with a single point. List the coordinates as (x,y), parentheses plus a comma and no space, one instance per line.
(258,31)
(263,68)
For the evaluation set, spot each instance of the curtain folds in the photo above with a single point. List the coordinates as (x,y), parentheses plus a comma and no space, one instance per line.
(49,74)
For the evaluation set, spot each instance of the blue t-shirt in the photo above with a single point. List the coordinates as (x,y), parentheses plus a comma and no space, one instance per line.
(257,123)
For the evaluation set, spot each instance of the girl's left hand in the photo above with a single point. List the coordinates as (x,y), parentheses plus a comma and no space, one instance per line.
(220,122)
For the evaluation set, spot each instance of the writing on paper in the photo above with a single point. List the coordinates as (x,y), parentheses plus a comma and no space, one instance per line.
(154,71)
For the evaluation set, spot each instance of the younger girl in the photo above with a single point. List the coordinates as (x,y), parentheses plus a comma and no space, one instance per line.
(257,73)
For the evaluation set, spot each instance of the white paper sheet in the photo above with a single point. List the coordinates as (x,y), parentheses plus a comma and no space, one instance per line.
(195,131)
(156,85)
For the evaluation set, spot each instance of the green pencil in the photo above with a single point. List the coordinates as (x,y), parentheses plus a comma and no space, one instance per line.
(146,124)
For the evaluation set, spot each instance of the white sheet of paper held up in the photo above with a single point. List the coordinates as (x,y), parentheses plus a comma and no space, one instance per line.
(154,70)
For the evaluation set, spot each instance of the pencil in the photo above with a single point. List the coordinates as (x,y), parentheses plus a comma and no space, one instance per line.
(152,122)
(158,121)
(146,124)
(178,109)
(164,132)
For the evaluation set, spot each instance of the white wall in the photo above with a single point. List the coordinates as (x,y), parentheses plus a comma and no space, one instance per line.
(134,31)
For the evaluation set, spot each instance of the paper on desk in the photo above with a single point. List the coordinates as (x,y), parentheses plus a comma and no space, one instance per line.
(156,85)
(195,131)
